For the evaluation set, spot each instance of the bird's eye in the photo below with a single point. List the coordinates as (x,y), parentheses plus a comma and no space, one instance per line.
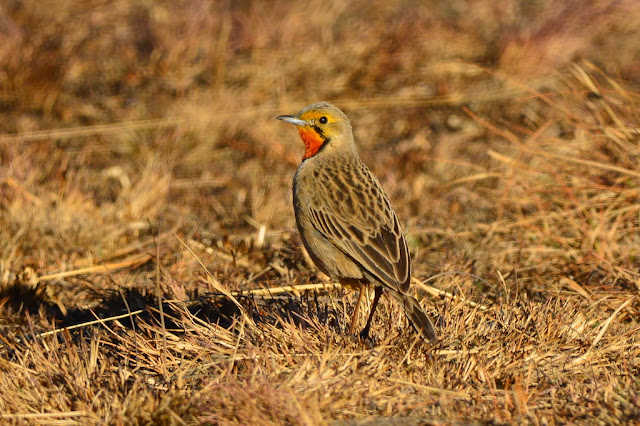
(323,120)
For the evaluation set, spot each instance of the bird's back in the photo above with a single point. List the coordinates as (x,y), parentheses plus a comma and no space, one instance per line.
(344,203)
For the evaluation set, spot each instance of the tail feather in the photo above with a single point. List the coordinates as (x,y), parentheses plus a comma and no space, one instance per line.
(417,317)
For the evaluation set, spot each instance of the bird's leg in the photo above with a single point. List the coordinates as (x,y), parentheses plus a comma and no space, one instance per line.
(357,308)
(364,334)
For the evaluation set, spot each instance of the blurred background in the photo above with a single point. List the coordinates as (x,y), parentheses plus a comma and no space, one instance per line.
(118,117)
(503,131)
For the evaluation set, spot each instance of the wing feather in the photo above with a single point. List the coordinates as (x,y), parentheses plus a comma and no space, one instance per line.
(368,234)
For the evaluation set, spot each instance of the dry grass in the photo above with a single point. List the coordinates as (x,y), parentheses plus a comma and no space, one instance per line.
(145,197)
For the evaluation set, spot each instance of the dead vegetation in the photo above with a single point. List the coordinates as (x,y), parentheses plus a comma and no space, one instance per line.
(145,199)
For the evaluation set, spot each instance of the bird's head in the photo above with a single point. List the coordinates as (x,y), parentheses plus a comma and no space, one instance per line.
(322,127)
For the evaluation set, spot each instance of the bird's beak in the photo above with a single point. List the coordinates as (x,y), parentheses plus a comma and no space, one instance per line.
(293,120)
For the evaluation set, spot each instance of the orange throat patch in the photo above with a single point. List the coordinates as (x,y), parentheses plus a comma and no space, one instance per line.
(312,141)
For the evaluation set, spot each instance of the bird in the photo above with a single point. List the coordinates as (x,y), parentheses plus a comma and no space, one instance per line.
(345,219)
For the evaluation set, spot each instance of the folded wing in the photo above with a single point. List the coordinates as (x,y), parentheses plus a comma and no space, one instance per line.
(371,236)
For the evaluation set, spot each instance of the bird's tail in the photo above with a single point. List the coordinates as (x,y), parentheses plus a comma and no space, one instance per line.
(417,317)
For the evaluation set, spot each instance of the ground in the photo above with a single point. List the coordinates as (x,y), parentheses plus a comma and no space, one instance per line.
(150,269)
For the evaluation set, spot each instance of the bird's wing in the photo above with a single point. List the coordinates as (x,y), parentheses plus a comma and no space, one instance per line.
(367,231)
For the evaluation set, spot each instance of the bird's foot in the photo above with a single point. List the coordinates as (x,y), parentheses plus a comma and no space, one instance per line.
(364,334)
